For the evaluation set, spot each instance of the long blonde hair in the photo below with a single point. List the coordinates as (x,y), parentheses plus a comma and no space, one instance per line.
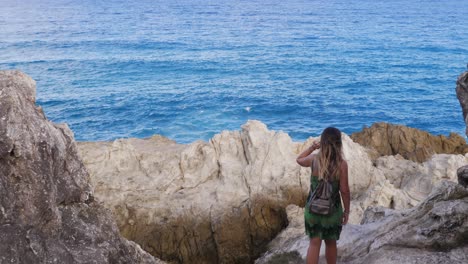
(331,153)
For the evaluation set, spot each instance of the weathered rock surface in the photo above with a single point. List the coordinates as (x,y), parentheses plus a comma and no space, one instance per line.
(47,210)
(224,200)
(413,144)
(435,231)
(399,183)
(217,201)
(462,95)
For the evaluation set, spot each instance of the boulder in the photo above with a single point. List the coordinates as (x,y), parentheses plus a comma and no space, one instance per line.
(48,213)
(413,144)
(462,95)
(435,231)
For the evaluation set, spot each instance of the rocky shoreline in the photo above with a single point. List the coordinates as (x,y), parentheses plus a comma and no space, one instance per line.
(230,194)
(237,198)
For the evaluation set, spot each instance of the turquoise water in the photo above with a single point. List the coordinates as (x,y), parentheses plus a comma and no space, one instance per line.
(190,69)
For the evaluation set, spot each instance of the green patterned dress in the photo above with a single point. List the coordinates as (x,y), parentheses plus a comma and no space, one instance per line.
(324,226)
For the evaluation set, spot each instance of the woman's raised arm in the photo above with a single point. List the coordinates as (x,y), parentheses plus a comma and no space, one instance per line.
(305,158)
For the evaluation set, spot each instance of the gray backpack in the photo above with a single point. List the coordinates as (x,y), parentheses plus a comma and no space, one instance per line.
(322,200)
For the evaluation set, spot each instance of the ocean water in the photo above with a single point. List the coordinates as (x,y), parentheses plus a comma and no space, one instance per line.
(188,69)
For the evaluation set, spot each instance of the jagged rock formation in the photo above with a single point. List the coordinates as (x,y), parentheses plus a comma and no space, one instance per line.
(47,210)
(399,183)
(217,201)
(462,95)
(435,231)
(224,200)
(413,144)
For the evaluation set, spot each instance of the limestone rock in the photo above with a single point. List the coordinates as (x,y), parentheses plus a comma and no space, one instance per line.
(435,231)
(401,184)
(220,201)
(201,201)
(462,95)
(224,200)
(462,173)
(417,180)
(411,143)
(47,210)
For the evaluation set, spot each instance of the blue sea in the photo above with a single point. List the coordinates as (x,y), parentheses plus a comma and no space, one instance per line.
(188,69)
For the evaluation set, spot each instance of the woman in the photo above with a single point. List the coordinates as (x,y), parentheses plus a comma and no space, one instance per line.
(328,164)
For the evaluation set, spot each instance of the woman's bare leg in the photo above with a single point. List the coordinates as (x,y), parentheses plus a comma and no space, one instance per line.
(330,251)
(314,250)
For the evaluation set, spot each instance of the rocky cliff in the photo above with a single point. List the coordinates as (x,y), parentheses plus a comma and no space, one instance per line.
(222,201)
(47,210)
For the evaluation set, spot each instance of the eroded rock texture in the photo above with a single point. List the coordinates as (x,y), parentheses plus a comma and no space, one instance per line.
(413,144)
(47,210)
(462,95)
(210,202)
(220,201)
(399,183)
(435,231)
